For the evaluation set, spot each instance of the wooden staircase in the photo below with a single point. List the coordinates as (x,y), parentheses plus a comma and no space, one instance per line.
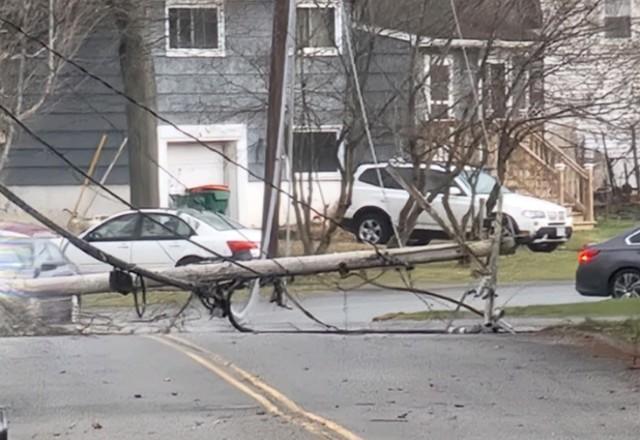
(541,169)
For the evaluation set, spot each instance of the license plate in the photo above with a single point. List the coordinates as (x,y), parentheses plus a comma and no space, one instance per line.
(561,232)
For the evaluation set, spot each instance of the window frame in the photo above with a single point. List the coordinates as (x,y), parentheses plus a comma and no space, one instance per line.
(336,5)
(446,60)
(195,52)
(320,175)
(604,23)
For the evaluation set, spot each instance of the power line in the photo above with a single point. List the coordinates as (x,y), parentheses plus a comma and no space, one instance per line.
(90,249)
(91,179)
(158,116)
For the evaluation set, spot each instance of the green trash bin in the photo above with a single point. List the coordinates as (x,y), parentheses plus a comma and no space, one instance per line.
(214,198)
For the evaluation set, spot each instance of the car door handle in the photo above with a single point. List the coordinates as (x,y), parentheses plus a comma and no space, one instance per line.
(123,246)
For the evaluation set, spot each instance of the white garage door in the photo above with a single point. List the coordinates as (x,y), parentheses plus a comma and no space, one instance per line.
(191,164)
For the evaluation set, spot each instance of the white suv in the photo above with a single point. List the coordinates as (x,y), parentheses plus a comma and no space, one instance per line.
(539,224)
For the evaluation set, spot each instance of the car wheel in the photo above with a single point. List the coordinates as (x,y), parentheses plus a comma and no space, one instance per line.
(373,227)
(543,247)
(186,261)
(626,284)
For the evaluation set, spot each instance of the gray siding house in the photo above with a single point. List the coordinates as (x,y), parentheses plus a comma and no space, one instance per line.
(211,62)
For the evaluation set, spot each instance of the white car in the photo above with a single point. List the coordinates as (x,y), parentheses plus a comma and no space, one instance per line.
(158,239)
(540,224)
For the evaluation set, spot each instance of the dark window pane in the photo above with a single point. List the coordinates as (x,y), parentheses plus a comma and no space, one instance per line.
(164,226)
(211,28)
(173,28)
(316,27)
(521,85)
(635,239)
(389,182)
(617,27)
(435,181)
(302,23)
(198,25)
(193,28)
(184,28)
(315,152)
(497,89)
(370,177)
(536,90)
(121,228)
(439,83)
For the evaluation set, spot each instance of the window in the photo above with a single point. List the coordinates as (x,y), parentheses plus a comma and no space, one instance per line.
(617,18)
(436,181)
(195,29)
(315,151)
(122,228)
(521,86)
(512,84)
(433,180)
(496,89)
(634,238)
(439,88)
(371,177)
(164,226)
(318,29)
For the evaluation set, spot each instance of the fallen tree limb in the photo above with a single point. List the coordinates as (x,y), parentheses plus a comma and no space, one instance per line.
(203,274)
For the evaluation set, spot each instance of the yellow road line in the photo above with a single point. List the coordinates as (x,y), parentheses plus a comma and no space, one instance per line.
(271,399)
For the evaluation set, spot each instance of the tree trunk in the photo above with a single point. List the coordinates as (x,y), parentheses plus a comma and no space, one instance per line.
(138,74)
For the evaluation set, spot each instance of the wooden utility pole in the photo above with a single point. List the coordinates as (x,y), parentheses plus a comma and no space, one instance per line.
(280,267)
(634,148)
(275,126)
(138,75)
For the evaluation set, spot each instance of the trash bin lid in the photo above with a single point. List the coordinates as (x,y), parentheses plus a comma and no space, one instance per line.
(205,188)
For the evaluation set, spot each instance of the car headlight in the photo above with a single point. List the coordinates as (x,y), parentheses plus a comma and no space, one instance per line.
(534,214)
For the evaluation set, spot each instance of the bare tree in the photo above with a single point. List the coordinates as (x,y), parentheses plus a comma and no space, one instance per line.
(29,74)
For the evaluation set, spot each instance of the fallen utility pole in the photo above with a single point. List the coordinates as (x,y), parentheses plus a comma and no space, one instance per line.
(274,268)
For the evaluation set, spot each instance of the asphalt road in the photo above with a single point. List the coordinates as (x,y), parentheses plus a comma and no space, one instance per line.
(375,387)
(352,310)
(358,308)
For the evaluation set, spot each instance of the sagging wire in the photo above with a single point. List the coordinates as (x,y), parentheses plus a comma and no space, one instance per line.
(167,121)
(138,271)
(218,298)
(90,249)
(80,171)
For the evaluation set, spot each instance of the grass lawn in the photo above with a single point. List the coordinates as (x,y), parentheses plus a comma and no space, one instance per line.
(521,267)
(608,308)
(108,300)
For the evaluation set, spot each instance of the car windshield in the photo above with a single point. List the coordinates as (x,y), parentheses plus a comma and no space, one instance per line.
(16,255)
(217,221)
(481,180)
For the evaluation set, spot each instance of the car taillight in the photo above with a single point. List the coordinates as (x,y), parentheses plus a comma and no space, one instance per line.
(587,255)
(239,246)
